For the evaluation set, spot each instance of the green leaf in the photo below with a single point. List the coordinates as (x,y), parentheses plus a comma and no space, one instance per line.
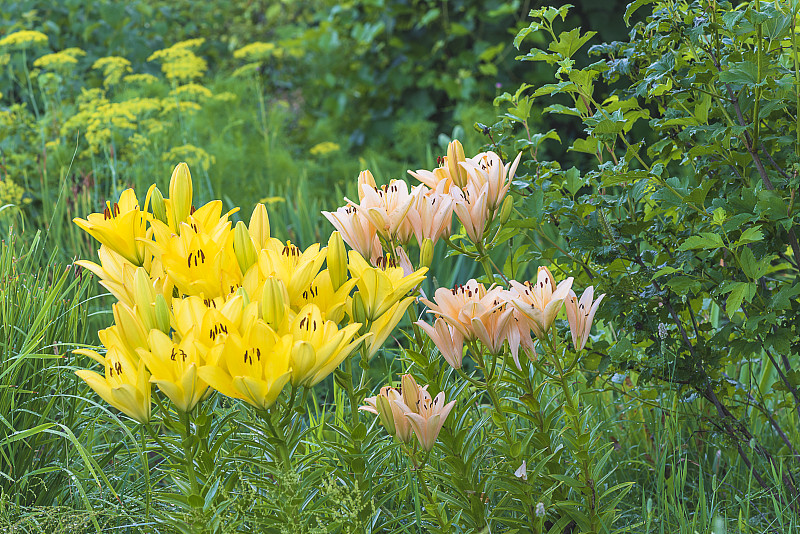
(570,42)
(705,241)
(741,73)
(751,235)
(740,291)
(633,7)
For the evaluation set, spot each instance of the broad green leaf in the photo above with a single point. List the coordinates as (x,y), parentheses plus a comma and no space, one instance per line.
(705,241)
(740,291)
(751,235)
(633,7)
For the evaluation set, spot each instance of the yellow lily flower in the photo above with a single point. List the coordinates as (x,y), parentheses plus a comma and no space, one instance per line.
(319,346)
(115,273)
(382,327)
(120,227)
(173,368)
(125,384)
(294,268)
(331,303)
(380,289)
(253,367)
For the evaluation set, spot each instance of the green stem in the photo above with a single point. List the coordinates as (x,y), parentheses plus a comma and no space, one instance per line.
(575,421)
(146,463)
(187,452)
(418,468)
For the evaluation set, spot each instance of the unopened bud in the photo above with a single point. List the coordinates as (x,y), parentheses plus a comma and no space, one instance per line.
(259,226)
(162,314)
(455,155)
(158,205)
(410,391)
(243,247)
(145,296)
(273,302)
(337,260)
(303,359)
(242,292)
(385,414)
(359,311)
(180,193)
(506,208)
(426,253)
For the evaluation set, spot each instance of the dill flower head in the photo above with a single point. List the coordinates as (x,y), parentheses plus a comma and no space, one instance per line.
(255,51)
(144,79)
(179,63)
(191,91)
(23,39)
(113,67)
(58,61)
(323,148)
(193,155)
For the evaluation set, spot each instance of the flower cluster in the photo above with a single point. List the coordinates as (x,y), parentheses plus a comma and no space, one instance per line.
(204,304)
(495,316)
(392,215)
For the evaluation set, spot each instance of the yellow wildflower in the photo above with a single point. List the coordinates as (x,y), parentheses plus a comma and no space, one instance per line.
(23,39)
(324,148)
(113,67)
(255,51)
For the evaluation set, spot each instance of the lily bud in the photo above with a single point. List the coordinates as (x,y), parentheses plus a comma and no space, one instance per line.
(337,260)
(242,292)
(243,247)
(273,302)
(359,311)
(158,205)
(259,226)
(180,193)
(303,359)
(410,391)
(145,296)
(426,253)
(505,209)
(385,414)
(455,155)
(162,314)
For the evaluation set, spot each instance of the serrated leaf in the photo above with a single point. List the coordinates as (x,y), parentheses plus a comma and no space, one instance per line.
(705,241)
(633,7)
(739,292)
(751,235)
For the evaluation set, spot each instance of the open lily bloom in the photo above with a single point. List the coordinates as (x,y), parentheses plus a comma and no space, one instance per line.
(539,303)
(253,366)
(173,368)
(382,327)
(356,229)
(120,227)
(580,315)
(431,216)
(295,268)
(319,346)
(386,406)
(488,169)
(449,174)
(385,207)
(381,288)
(472,209)
(125,384)
(428,418)
(462,305)
(447,339)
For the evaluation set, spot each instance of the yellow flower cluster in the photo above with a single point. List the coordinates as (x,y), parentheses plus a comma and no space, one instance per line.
(98,118)
(113,67)
(179,63)
(59,61)
(194,155)
(10,193)
(256,51)
(323,148)
(23,39)
(204,305)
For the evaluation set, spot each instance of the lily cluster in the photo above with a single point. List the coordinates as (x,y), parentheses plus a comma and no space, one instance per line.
(204,304)
(496,317)
(410,411)
(393,215)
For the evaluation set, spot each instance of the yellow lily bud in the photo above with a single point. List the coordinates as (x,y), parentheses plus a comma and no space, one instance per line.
(242,292)
(145,297)
(302,361)
(162,314)
(426,253)
(273,302)
(337,260)
(385,414)
(158,204)
(505,210)
(259,226)
(455,155)
(243,247)
(180,193)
